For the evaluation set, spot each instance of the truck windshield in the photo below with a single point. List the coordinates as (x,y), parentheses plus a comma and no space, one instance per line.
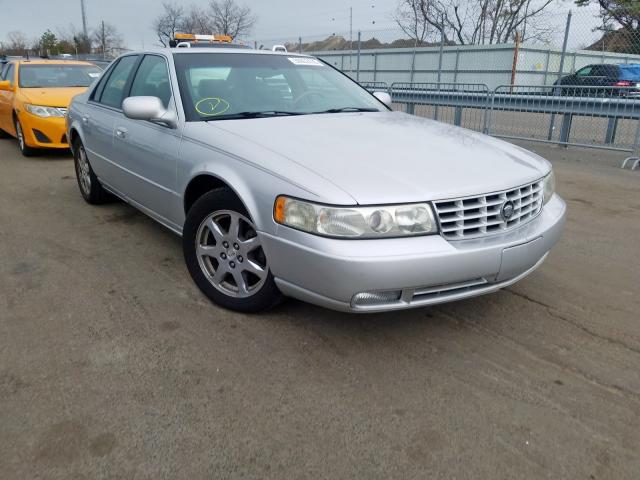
(221,86)
(57,76)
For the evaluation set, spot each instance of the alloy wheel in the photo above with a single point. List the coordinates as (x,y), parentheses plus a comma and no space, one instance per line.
(83,171)
(20,134)
(230,254)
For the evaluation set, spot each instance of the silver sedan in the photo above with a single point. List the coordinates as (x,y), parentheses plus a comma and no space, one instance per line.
(286,178)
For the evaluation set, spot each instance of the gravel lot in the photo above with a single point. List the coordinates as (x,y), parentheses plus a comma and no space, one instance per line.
(113,365)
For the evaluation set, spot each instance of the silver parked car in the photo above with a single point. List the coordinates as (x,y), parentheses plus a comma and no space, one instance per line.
(286,178)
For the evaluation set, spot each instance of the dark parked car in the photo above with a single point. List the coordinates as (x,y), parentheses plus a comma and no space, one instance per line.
(626,79)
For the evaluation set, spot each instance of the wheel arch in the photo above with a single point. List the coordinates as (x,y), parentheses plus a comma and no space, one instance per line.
(204,183)
(74,135)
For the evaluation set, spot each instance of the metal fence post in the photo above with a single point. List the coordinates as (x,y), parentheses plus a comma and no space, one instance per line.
(299,44)
(488,113)
(455,69)
(358,57)
(558,90)
(375,66)
(413,61)
(564,46)
(546,67)
(436,110)
(612,128)
(441,53)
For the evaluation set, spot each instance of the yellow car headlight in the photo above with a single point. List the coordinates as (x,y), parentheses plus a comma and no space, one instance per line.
(44,112)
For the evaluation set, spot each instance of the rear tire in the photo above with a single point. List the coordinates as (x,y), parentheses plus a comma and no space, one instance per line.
(4,134)
(224,256)
(26,150)
(90,187)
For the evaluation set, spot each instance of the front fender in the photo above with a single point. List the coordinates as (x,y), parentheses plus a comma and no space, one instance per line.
(74,126)
(254,183)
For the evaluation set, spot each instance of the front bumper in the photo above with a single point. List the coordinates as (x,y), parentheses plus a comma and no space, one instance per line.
(427,270)
(44,132)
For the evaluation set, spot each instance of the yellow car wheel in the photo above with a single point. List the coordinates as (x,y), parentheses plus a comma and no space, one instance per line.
(26,150)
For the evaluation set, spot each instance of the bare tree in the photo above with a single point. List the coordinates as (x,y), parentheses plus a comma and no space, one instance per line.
(409,18)
(168,23)
(107,39)
(17,43)
(197,20)
(477,22)
(231,19)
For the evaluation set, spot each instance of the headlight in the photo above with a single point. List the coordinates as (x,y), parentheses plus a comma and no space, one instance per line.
(548,187)
(44,112)
(356,222)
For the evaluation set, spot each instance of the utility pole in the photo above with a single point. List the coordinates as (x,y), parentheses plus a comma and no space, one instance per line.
(85,29)
(104,42)
(350,39)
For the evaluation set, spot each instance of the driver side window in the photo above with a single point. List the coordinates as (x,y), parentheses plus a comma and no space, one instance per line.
(9,74)
(152,80)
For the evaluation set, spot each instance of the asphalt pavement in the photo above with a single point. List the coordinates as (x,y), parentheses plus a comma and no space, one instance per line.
(114,365)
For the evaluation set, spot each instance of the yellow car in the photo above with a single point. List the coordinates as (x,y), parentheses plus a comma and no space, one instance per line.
(34,96)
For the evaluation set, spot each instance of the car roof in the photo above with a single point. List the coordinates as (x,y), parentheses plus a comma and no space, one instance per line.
(46,61)
(237,51)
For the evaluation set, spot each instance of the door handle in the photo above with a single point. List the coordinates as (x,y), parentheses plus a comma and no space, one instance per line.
(121,132)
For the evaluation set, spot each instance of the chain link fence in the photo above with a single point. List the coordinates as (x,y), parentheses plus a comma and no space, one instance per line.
(579,86)
(574,40)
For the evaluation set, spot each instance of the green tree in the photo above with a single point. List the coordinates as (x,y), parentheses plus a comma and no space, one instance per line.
(620,24)
(625,13)
(65,46)
(49,42)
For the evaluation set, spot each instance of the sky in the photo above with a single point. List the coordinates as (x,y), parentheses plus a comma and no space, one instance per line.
(278,20)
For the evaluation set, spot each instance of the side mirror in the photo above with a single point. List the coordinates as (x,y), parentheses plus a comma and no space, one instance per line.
(5,86)
(384,97)
(150,109)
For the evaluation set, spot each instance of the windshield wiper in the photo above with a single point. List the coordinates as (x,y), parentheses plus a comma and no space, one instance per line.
(263,114)
(349,109)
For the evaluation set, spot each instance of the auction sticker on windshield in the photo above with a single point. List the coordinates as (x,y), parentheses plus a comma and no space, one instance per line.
(306,61)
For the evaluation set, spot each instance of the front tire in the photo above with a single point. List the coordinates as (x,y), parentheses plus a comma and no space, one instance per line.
(90,187)
(26,150)
(224,256)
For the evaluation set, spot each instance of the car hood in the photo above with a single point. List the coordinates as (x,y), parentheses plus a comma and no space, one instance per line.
(391,157)
(51,97)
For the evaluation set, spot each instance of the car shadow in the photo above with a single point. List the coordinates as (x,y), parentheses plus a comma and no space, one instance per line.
(43,154)
(323,322)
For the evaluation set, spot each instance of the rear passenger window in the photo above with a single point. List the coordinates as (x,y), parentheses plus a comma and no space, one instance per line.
(114,88)
(583,72)
(152,80)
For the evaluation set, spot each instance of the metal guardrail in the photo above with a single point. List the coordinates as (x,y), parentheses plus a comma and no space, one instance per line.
(597,117)
(375,86)
(462,104)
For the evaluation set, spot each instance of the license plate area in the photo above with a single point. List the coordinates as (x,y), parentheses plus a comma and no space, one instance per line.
(518,259)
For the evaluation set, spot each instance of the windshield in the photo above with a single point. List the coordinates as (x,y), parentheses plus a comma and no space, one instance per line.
(57,76)
(218,86)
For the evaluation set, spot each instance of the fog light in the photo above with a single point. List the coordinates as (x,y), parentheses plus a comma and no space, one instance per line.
(375,298)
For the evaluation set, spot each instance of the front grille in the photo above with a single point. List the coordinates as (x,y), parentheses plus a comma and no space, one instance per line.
(481,215)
